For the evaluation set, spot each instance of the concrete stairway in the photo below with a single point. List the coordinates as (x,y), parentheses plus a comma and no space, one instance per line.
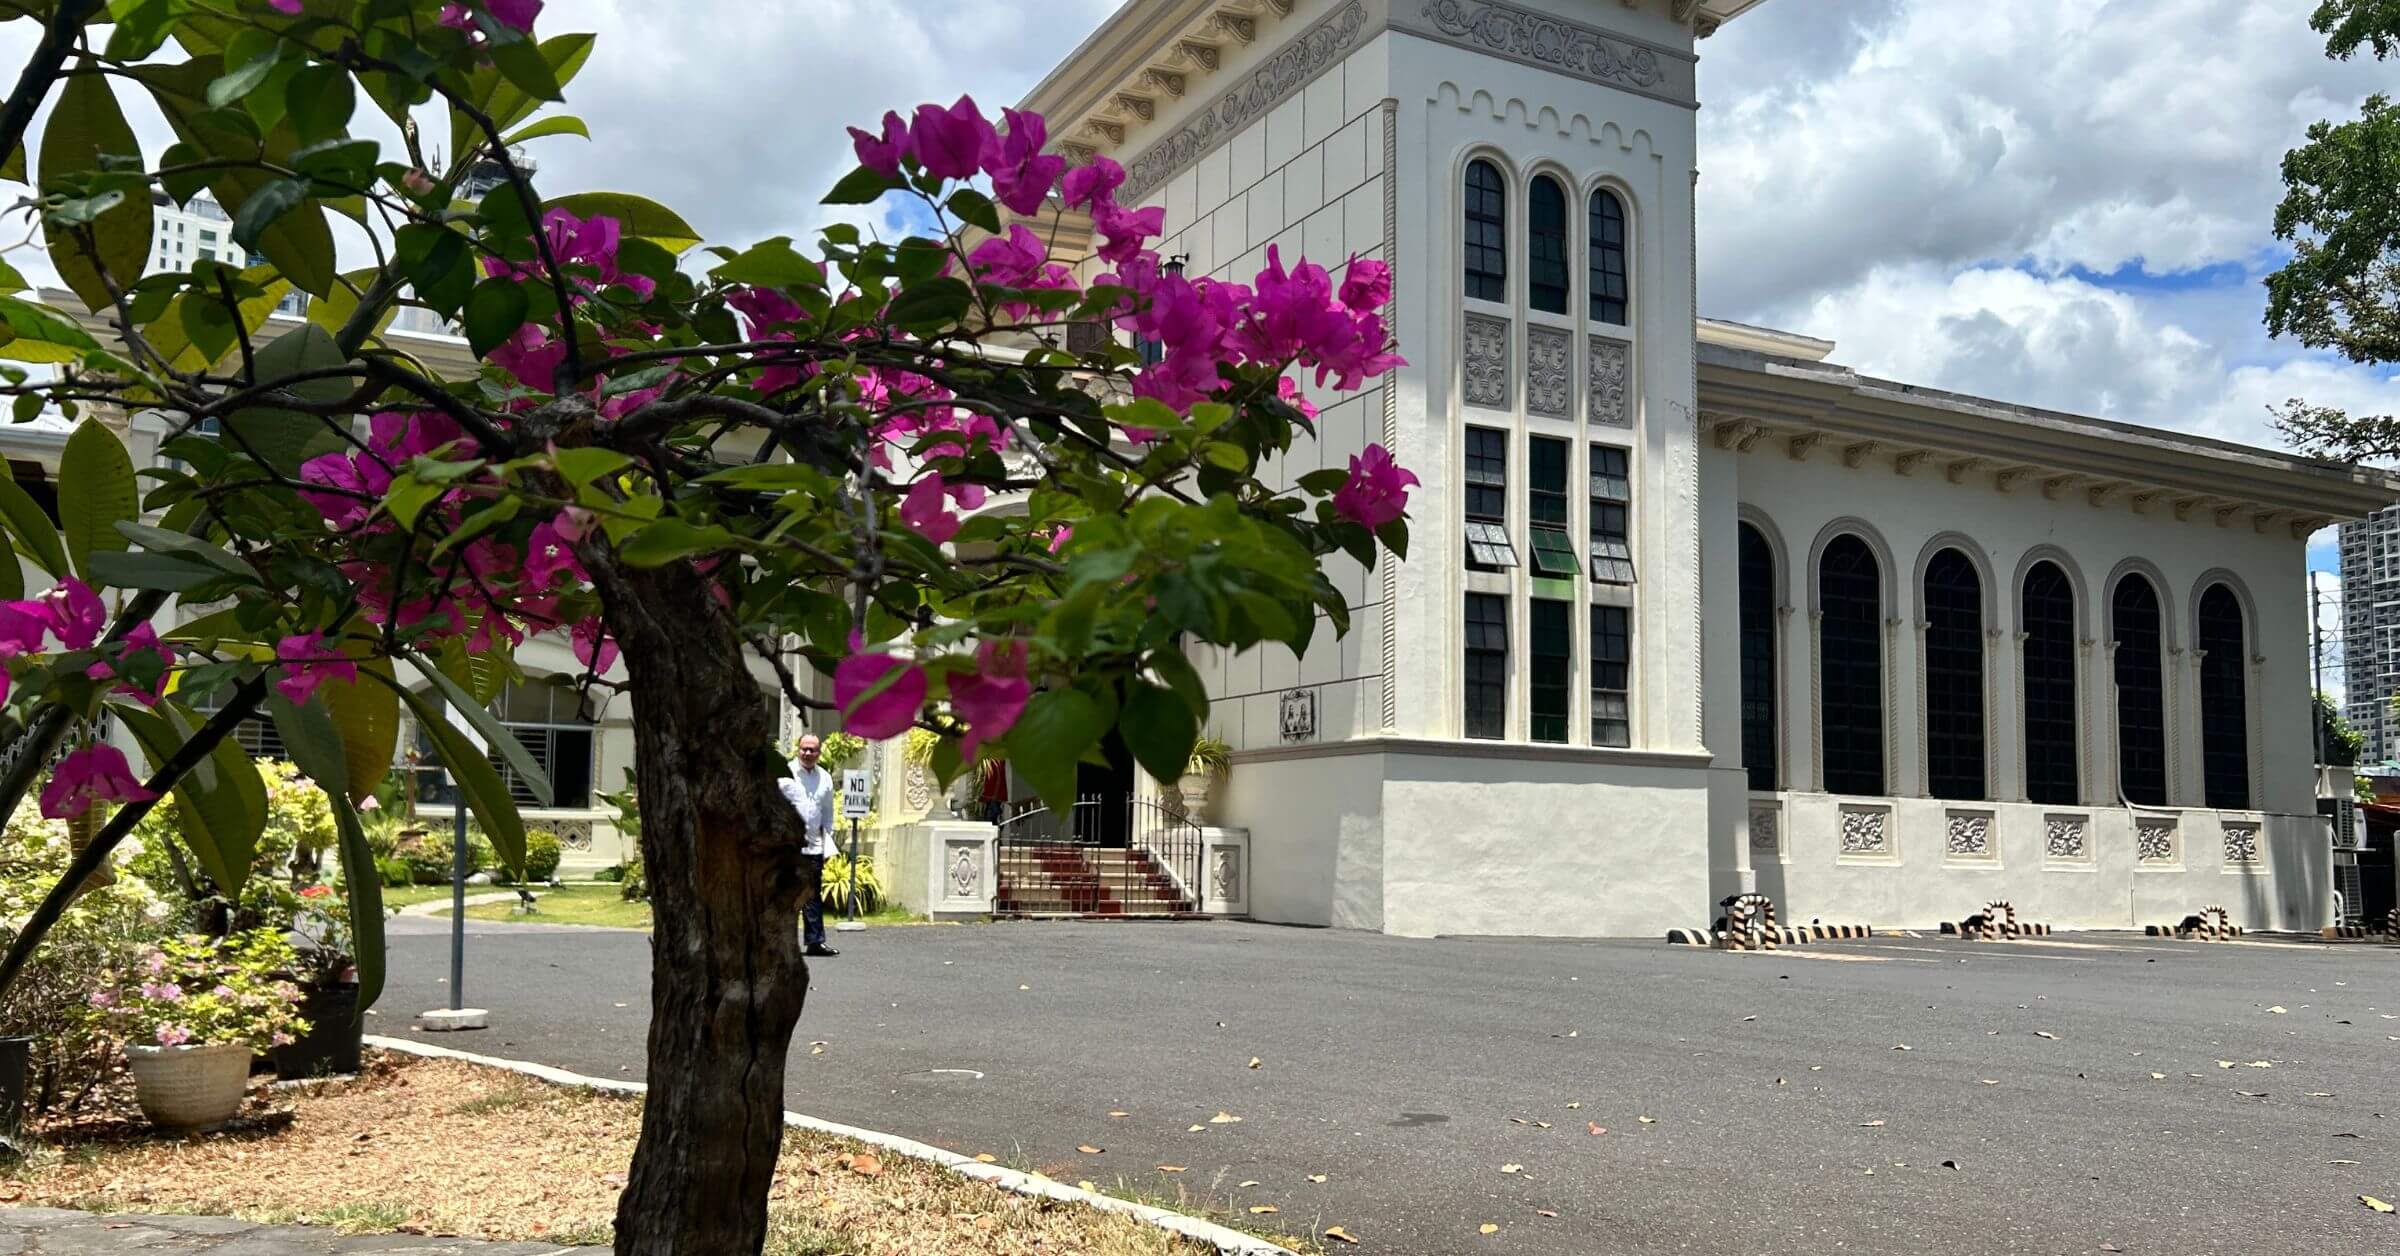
(1067,879)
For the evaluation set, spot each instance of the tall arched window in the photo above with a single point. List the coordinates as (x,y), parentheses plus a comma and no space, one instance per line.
(1546,246)
(1486,233)
(1758,659)
(2141,692)
(1610,296)
(2224,701)
(1954,757)
(2048,617)
(1850,694)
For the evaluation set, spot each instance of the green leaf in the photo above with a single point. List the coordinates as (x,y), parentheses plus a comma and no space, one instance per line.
(523,65)
(32,530)
(12,280)
(12,575)
(367,716)
(320,752)
(495,310)
(334,309)
(636,216)
(86,125)
(859,187)
(1159,728)
(506,103)
(556,124)
(118,569)
(974,208)
(299,242)
(96,492)
(663,542)
(438,263)
(480,783)
(287,438)
(227,88)
(941,300)
(1050,738)
(221,803)
(271,201)
(490,728)
(195,333)
(1173,668)
(319,100)
(771,263)
(185,545)
(583,464)
(37,333)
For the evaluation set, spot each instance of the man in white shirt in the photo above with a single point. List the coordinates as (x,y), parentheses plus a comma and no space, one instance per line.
(810,791)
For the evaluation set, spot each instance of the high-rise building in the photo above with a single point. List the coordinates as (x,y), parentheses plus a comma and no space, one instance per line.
(182,237)
(2371,628)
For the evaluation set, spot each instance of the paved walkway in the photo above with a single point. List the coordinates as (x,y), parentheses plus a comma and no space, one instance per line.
(2054,1095)
(51,1232)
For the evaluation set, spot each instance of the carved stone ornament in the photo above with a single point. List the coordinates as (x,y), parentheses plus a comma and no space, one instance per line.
(1487,362)
(2241,843)
(1285,72)
(1610,370)
(1866,831)
(1297,712)
(2066,837)
(966,870)
(2154,842)
(1549,368)
(1968,836)
(917,787)
(1544,40)
(1766,836)
(1225,874)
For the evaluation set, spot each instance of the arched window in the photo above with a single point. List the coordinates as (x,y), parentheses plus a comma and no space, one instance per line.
(1758,659)
(2224,701)
(1609,293)
(2141,692)
(1546,246)
(1954,757)
(1850,593)
(2048,616)
(1486,233)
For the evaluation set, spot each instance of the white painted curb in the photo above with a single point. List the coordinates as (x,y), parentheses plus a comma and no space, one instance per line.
(441,906)
(1227,1241)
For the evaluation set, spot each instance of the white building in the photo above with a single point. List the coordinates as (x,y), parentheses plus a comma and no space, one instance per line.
(1690,609)
(2370,550)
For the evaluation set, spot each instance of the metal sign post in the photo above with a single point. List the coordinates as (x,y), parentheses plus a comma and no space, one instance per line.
(858,799)
(458,1015)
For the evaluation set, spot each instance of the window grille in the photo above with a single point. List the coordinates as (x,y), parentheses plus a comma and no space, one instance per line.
(1610,295)
(2052,774)
(1850,590)
(1487,666)
(2141,693)
(1546,246)
(1612,501)
(1759,698)
(1488,545)
(2224,714)
(1546,508)
(1612,722)
(1553,669)
(1954,677)
(1486,233)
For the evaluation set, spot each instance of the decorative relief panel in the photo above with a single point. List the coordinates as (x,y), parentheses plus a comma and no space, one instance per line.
(1766,833)
(1225,874)
(2154,841)
(572,834)
(917,787)
(964,877)
(1550,372)
(1610,368)
(1270,85)
(2241,844)
(1866,831)
(2066,838)
(1545,41)
(1968,835)
(1488,364)
(1297,714)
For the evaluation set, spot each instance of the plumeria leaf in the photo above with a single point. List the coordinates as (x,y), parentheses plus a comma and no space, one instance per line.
(96,492)
(86,125)
(318,750)
(37,333)
(1159,728)
(502,741)
(640,217)
(31,528)
(557,124)
(486,795)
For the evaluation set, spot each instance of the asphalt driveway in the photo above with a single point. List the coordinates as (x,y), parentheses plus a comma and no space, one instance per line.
(2082,1094)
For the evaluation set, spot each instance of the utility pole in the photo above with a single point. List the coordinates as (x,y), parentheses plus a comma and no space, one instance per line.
(2316,662)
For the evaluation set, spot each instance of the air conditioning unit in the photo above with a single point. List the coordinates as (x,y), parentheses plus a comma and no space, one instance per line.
(2347,834)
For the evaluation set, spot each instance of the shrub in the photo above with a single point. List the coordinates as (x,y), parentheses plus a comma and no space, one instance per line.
(74,1050)
(205,991)
(394,872)
(834,889)
(636,887)
(542,853)
(611,874)
(429,859)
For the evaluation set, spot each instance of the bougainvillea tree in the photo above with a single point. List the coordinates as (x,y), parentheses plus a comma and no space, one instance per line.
(700,460)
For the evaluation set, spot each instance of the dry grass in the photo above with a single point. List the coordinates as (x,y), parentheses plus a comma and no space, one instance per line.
(438,1147)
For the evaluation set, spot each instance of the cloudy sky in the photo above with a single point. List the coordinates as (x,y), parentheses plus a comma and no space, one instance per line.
(2058,202)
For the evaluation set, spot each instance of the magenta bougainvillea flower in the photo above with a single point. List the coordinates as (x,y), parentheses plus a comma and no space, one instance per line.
(1377,491)
(74,613)
(991,697)
(886,713)
(950,143)
(926,510)
(884,153)
(94,774)
(308,661)
(1022,175)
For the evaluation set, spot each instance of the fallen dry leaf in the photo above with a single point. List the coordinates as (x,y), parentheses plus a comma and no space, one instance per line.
(1904,1047)
(1024,987)
(1255,1061)
(1990,1081)
(2224,1064)
(2276,1010)
(1246,1183)
(1647,1120)
(1543,1212)
(1172,1168)
(865,1164)
(1316,1177)
(987,1158)
(1088,1149)
(1597,1128)
(1196,1129)
(1120,1114)
(2044,1033)
(1262,1209)
(2251,1094)
(1870,1125)
(1337,1232)
(2374,1203)
(1577,1104)
(2320,1094)
(1224,1118)
(1085,1184)
(2341,1162)
(2260,1064)
(1487,1228)
(1512,1168)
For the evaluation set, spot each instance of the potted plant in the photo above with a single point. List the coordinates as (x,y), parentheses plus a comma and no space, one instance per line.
(1210,757)
(191,1011)
(327,971)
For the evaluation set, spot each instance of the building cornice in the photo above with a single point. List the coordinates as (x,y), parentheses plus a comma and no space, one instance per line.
(1597,756)
(1753,399)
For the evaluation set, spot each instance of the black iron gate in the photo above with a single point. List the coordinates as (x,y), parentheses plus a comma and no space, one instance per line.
(1100,857)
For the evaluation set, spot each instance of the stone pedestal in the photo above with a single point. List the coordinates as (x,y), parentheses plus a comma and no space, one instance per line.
(1225,872)
(945,869)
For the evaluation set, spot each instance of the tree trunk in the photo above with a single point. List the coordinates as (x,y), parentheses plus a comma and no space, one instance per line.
(720,847)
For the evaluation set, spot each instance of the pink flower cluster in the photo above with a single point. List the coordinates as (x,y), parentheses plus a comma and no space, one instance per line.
(72,615)
(308,661)
(583,246)
(95,774)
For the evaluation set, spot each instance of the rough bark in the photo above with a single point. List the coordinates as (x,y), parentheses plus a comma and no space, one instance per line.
(720,849)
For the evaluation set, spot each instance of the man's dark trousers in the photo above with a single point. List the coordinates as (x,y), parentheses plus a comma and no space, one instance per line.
(812,912)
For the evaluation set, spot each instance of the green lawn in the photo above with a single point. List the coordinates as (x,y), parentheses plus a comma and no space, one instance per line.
(407,895)
(596,903)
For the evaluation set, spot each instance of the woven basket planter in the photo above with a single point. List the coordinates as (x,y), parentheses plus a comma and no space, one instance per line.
(190,1087)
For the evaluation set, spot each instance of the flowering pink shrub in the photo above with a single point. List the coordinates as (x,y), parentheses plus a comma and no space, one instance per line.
(199,991)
